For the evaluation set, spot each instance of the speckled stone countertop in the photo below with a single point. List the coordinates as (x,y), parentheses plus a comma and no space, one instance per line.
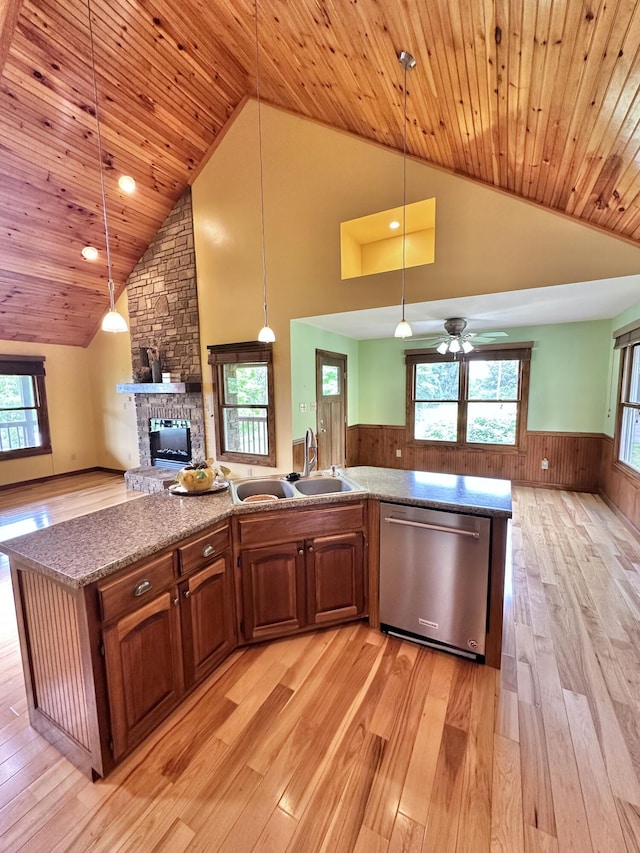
(86,549)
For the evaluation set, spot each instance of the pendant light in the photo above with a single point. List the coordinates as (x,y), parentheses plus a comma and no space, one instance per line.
(403,329)
(266,334)
(112,321)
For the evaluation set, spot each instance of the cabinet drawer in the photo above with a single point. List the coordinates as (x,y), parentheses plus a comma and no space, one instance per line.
(135,587)
(202,550)
(287,525)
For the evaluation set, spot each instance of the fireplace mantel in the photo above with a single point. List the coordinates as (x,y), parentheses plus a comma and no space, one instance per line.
(160,388)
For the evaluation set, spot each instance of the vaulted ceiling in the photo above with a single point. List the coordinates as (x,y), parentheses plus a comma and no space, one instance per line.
(539,98)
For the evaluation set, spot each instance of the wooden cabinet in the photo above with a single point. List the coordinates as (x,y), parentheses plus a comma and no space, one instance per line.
(166,624)
(293,585)
(273,590)
(207,617)
(335,578)
(143,658)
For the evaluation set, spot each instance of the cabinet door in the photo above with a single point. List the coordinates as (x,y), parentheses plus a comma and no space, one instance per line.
(273,590)
(143,655)
(208,623)
(335,579)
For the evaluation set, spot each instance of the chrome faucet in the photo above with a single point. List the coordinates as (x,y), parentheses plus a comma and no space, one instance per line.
(310,445)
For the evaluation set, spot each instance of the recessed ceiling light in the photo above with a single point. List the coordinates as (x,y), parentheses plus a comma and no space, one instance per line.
(90,253)
(395,224)
(127,184)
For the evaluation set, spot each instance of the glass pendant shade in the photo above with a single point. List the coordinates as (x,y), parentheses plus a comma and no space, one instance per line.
(114,322)
(467,346)
(454,345)
(403,330)
(266,335)
(443,347)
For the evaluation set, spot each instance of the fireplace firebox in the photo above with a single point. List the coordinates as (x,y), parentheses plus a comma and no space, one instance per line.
(170,442)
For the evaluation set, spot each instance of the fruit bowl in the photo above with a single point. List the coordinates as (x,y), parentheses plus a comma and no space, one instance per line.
(199,477)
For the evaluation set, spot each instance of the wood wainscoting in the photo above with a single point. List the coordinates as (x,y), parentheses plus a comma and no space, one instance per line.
(574,458)
(618,485)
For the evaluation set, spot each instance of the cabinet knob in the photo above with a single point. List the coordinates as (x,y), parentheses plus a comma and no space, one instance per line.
(142,587)
(208,550)
(310,547)
(175,601)
(187,593)
(300,550)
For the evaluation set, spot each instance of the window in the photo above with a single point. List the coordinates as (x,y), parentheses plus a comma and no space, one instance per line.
(475,400)
(24,423)
(629,420)
(243,397)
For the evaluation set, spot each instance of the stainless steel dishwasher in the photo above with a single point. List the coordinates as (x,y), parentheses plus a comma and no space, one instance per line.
(434,577)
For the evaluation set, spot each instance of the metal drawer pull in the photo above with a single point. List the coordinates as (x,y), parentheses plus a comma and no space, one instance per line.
(175,601)
(187,593)
(208,550)
(472,533)
(142,587)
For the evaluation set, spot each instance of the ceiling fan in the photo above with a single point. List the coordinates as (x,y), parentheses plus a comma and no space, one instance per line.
(456,340)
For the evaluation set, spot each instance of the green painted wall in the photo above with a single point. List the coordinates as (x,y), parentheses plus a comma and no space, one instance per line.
(569,375)
(305,340)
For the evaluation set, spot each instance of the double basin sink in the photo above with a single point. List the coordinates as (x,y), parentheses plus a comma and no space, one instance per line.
(272,488)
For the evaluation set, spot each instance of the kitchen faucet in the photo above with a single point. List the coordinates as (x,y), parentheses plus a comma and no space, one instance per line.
(310,443)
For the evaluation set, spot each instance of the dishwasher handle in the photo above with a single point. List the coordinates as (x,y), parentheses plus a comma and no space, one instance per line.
(439,527)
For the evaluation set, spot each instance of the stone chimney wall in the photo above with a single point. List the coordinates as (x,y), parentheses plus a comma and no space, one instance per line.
(163,312)
(163,298)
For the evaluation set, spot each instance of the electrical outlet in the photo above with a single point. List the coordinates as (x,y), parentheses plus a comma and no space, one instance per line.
(303,407)
(398,452)
(544,464)
(313,405)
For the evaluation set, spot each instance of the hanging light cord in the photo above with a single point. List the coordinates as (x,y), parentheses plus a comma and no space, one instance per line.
(102,188)
(262,232)
(404,182)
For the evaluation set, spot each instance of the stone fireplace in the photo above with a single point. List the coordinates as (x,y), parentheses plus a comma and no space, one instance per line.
(163,313)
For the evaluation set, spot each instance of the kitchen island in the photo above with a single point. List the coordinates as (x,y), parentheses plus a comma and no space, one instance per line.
(123,611)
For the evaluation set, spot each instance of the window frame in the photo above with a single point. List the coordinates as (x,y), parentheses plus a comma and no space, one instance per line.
(32,366)
(627,341)
(497,352)
(247,352)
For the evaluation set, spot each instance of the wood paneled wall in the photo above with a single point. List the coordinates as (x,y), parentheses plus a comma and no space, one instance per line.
(581,462)
(618,485)
(574,458)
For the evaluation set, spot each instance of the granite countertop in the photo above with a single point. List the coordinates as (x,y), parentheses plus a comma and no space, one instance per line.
(85,549)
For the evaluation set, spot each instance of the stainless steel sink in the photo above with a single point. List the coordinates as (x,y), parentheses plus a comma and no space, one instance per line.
(275,486)
(282,489)
(320,485)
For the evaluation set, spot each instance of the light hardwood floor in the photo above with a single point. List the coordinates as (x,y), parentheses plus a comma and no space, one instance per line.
(346,740)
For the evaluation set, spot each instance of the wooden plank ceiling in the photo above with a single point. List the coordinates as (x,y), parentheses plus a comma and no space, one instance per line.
(538,97)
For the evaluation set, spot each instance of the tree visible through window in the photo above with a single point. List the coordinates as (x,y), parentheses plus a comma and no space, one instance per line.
(470,400)
(244,412)
(24,423)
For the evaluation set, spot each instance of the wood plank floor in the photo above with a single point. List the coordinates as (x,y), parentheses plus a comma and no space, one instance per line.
(346,740)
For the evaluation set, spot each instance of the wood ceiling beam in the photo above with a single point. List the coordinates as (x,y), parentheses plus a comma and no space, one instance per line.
(9,11)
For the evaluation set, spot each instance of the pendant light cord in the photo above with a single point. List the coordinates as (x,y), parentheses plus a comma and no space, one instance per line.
(404,183)
(262,230)
(102,187)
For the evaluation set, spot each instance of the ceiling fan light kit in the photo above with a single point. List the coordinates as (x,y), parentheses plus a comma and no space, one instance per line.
(457,340)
